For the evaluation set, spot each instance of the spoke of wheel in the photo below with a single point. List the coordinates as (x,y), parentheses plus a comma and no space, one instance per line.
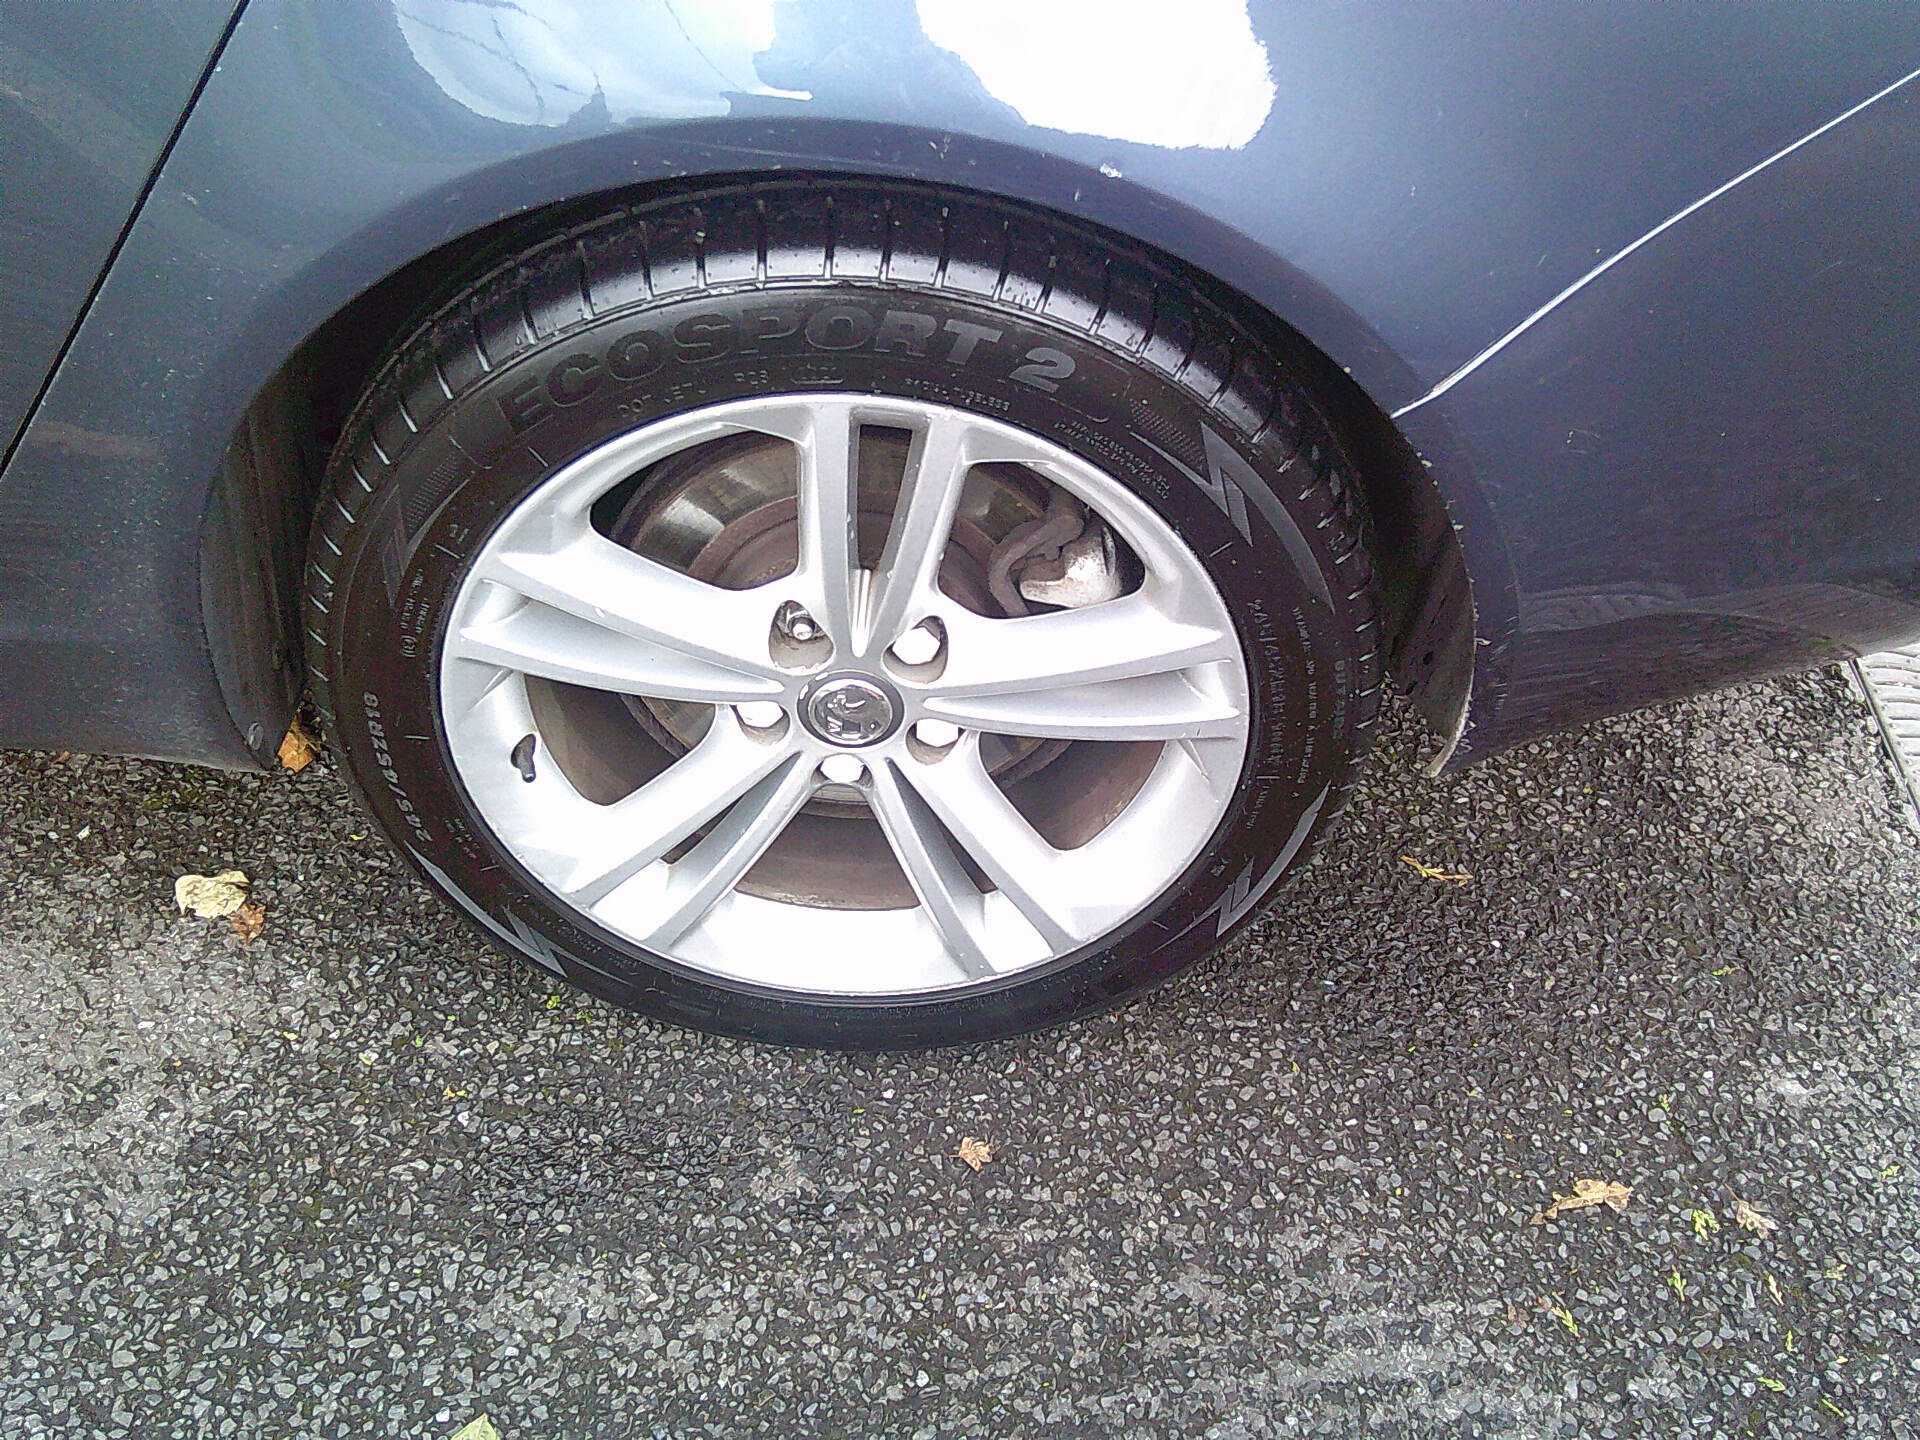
(998,839)
(1145,707)
(930,488)
(1114,671)
(725,853)
(952,901)
(537,639)
(614,590)
(624,838)
(829,552)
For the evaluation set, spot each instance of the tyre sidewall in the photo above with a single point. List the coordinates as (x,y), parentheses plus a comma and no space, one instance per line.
(512,429)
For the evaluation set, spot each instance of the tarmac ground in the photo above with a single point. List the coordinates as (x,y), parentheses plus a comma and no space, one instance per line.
(362,1176)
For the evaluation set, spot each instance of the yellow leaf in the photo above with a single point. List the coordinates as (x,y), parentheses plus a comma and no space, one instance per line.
(211,896)
(299,749)
(1433,872)
(1748,1218)
(478,1428)
(1610,1193)
(973,1152)
(1704,1224)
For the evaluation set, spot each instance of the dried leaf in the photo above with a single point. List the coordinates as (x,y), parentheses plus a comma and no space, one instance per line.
(478,1428)
(973,1151)
(299,749)
(1610,1193)
(1433,872)
(1748,1218)
(211,896)
(248,921)
(1773,1289)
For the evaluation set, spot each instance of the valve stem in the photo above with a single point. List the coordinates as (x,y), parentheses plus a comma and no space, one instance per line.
(522,757)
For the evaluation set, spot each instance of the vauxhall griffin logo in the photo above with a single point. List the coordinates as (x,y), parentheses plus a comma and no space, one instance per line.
(849,710)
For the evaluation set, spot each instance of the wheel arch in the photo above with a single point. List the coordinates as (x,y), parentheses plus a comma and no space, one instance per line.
(254,533)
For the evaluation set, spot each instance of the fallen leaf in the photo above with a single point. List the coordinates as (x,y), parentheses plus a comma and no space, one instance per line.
(1704,1224)
(1777,1386)
(1610,1193)
(1433,872)
(1773,1289)
(1678,1282)
(211,896)
(1748,1218)
(478,1428)
(974,1152)
(299,749)
(248,921)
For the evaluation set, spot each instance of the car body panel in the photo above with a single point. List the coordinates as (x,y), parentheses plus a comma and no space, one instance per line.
(86,110)
(1706,464)
(1402,184)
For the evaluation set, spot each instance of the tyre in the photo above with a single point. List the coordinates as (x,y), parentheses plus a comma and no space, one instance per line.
(844,615)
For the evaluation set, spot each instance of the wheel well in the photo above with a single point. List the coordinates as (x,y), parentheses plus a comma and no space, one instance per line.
(1426,594)
(253,544)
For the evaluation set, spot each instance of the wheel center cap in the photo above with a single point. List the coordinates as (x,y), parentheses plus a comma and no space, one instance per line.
(850,710)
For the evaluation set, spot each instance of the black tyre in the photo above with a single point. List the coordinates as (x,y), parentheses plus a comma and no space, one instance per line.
(841,614)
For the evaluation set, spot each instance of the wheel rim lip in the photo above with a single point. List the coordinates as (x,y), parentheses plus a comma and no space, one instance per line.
(809,952)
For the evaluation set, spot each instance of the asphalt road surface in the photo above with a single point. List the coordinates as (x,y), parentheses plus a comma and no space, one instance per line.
(363,1177)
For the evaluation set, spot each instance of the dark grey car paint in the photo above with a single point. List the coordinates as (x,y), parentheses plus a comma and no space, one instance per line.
(1693,469)
(85,110)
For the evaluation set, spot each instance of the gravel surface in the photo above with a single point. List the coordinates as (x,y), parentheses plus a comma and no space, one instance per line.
(364,1177)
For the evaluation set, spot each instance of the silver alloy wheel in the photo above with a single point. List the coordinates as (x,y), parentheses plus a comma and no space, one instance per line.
(810,702)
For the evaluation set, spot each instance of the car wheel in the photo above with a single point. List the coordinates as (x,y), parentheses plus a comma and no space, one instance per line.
(843,614)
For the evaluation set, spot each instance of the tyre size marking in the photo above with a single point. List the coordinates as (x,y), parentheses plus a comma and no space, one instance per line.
(389,772)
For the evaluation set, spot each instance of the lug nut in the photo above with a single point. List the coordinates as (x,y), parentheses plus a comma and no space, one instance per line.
(796,624)
(917,646)
(843,769)
(759,714)
(936,734)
